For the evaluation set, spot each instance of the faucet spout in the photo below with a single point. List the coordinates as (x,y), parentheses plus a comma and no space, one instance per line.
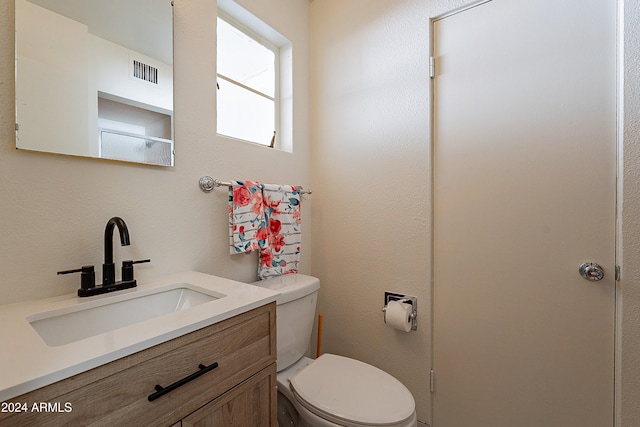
(108,268)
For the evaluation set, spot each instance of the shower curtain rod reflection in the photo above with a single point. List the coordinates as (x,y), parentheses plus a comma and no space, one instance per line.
(208,184)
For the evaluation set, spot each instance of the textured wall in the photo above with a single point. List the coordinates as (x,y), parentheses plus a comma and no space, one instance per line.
(53,208)
(628,369)
(372,216)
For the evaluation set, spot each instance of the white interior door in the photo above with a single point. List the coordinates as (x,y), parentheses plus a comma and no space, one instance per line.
(524,187)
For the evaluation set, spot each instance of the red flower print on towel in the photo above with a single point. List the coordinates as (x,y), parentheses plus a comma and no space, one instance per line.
(272,206)
(257,203)
(276,242)
(266,257)
(274,226)
(241,196)
(262,233)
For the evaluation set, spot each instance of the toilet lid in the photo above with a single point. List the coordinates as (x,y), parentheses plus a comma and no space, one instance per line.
(341,389)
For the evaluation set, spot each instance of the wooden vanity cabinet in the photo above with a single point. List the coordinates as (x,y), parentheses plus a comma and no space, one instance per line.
(241,390)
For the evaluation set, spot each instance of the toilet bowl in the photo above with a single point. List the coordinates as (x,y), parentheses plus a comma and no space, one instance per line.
(331,390)
(338,391)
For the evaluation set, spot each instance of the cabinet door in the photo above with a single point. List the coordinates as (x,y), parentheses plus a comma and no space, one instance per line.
(251,403)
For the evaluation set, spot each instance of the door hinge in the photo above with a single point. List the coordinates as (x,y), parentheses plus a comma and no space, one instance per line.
(617,273)
(432,380)
(432,67)
(17,127)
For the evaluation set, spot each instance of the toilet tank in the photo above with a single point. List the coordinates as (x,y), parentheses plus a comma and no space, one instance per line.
(295,313)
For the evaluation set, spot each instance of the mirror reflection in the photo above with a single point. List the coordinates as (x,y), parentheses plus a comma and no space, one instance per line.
(94,78)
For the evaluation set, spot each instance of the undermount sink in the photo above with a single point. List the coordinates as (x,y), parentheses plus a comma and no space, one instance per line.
(70,324)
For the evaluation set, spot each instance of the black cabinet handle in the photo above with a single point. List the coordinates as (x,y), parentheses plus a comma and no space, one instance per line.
(161,391)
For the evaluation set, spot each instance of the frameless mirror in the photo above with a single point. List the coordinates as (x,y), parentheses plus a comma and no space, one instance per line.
(94,78)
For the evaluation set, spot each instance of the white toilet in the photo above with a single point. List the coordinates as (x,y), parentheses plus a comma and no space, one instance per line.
(331,390)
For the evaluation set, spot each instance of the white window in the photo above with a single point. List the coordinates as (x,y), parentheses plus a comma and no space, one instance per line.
(247,101)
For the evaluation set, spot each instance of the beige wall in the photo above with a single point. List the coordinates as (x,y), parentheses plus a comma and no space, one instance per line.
(372,183)
(54,209)
(370,147)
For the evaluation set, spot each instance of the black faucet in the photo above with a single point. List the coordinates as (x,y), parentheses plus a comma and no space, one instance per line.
(109,284)
(109,268)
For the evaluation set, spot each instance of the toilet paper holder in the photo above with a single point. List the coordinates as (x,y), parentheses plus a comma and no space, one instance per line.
(408,299)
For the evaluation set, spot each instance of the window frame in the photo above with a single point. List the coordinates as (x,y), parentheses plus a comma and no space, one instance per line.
(276,92)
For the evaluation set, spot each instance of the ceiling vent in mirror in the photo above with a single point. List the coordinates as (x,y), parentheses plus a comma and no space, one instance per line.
(145,72)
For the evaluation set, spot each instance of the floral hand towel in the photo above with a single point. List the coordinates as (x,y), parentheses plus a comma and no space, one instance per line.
(247,227)
(281,254)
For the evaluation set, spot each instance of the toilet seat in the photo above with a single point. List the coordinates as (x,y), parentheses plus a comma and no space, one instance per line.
(352,393)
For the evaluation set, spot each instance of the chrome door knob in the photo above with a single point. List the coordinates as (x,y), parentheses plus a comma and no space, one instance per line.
(591,271)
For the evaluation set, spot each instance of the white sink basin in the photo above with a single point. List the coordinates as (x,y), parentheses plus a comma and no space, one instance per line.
(107,313)
(51,339)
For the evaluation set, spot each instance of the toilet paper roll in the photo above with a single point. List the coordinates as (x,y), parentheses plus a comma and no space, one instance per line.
(398,315)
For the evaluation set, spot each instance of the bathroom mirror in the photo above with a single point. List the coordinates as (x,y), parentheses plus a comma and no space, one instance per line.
(94,78)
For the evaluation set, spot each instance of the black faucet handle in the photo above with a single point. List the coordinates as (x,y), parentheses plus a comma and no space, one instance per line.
(87,276)
(127,268)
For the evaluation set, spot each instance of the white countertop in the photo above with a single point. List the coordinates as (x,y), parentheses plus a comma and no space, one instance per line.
(27,363)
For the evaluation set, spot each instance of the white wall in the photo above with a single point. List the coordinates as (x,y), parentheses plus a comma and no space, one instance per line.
(53,209)
(110,66)
(372,183)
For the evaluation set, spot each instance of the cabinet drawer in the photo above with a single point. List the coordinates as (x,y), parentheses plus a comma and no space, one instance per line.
(117,393)
(252,403)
